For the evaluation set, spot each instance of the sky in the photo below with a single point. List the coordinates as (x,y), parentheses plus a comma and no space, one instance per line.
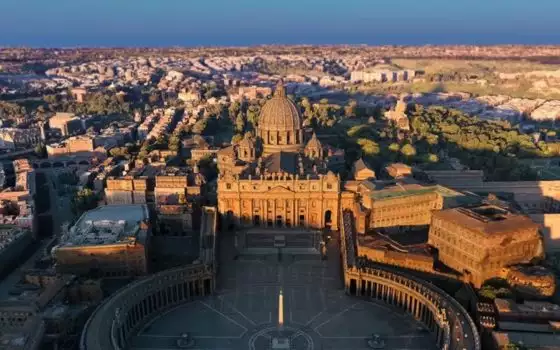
(109,23)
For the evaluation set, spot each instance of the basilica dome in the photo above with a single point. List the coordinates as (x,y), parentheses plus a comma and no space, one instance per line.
(280,124)
(280,113)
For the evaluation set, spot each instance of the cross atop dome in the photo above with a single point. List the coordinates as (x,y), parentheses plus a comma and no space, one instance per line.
(280,89)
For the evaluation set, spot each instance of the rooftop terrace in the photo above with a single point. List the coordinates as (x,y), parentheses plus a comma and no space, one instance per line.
(107,225)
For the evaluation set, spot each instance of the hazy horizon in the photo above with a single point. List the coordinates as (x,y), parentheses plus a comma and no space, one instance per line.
(167,23)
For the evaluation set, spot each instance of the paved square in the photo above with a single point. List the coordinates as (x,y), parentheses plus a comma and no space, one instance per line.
(317,313)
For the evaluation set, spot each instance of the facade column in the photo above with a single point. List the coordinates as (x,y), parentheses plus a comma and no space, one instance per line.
(261,213)
(142,310)
(409,304)
(134,316)
(274,212)
(121,337)
(306,224)
(265,212)
(359,287)
(295,210)
(430,321)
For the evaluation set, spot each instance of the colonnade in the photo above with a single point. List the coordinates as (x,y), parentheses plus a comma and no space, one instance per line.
(414,304)
(443,316)
(157,301)
(115,321)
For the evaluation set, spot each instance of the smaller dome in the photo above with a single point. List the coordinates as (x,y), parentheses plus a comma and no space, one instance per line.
(314,142)
(247,142)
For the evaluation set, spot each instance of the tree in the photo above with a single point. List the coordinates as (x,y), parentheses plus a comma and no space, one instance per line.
(119,152)
(369,147)
(253,115)
(199,126)
(84,200)
(41,150)
(174,143)
(234,109)
(363,130)
(236,139)
(239,123)
(50,99)
(351,109)
(432,158)
(394,147)
(408,150)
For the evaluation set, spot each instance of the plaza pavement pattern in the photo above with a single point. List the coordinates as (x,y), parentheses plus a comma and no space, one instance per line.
(243,314)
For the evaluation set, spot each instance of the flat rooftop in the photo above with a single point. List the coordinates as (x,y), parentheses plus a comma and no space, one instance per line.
(412,242)
(107,225)
(401,191)
(528,339)
(510,306)
(488,219)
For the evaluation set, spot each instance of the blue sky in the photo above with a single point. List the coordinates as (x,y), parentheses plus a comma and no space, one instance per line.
(54,23)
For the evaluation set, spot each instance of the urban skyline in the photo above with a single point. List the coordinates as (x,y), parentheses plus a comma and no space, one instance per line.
(279,175)
(64,23)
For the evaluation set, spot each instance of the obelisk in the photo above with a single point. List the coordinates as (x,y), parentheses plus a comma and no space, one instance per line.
(280,342)
(280,311)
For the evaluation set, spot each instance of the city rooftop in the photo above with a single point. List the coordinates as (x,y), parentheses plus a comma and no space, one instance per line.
(108,225)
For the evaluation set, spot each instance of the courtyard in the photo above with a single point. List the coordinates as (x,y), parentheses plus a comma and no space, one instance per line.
(317,314)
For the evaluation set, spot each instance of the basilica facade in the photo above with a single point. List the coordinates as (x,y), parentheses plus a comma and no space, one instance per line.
(280,177)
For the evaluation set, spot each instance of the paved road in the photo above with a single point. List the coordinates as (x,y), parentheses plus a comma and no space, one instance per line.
(60,206)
